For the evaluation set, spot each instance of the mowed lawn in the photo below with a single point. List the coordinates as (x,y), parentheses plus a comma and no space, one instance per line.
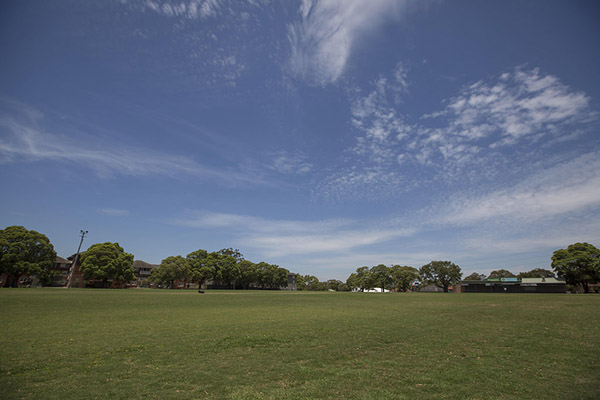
(82,344)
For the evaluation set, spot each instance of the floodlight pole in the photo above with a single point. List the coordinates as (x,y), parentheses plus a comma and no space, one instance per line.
(83,233)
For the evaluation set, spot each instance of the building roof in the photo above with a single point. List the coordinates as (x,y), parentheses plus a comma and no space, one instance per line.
(542,280)
(143,264)
(60,260)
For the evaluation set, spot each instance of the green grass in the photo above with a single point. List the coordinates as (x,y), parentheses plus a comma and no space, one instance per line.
(70,344)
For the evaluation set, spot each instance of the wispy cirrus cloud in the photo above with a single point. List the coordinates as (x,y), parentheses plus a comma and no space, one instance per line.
(206,219)
(276,238)
(22,138)
(371,182)
(189,9)
(321,42)
(378,117)
(289,163)
(567,188)
(471,139)
(523,104)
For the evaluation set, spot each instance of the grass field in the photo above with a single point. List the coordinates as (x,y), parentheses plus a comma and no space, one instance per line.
(81,344)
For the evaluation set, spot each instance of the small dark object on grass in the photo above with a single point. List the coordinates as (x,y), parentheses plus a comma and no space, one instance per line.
(200,291)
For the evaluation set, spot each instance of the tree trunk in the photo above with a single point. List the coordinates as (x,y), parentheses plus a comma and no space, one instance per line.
(586,287)
(17,280)
(445,289)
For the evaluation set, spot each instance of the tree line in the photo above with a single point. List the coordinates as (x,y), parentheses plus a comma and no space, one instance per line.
(225,268)
(503,273)
(26,252)
(442,274)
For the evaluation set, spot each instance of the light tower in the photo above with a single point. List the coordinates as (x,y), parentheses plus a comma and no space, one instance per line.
(82,233)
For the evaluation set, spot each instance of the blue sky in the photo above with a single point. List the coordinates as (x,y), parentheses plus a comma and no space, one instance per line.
(317,135)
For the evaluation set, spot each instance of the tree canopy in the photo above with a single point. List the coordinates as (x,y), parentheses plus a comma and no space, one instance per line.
(171,269)
(537,273)
(226,268)
(403,277)
(579,264)
(441,274)
(364,278)
(107,262)
(475,276)
(501,273)
(381,276)
(309,282)
(25,251)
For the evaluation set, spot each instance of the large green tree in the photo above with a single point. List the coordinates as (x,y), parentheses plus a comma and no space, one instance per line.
(107,262)
(312,283)
(171,269)
(226,268)
(364,278)
(272,276)
(334,284)
(403,277)
(248,273)
(352,282)
(201,269)
(441,274)
(25,252)
(382,276)
(579,264)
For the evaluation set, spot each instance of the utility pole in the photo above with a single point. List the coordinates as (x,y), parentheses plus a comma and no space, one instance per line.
(83,233)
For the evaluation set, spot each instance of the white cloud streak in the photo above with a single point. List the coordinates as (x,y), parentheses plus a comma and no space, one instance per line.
(22,138)
(191,9)
(321,42)
(518,105)
(276,238)
(289,163)
(470,140)
(566,188)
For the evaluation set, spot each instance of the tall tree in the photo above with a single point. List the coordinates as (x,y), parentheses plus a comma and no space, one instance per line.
(300,282)
(579,263)
(230,270)
(248,273)
(25,252)
(403,277)
(501,273)
(201,270)
(262,274)
(272,276)
(214,267)
(107,262)
(352,282)
(364,278)
(381,276)
(281,277)
(312,282)
(172,269)
(441,274)
(334,284)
